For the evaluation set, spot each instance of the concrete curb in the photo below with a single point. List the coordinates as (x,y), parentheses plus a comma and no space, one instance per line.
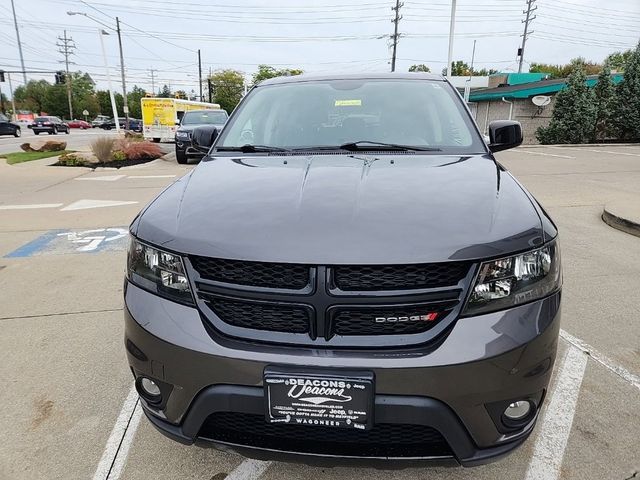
(621,219)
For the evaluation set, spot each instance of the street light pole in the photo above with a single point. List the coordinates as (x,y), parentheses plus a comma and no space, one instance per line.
(124,85)
(101,32)
(452,27)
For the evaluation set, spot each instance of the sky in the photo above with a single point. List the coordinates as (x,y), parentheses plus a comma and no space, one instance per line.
(323,36)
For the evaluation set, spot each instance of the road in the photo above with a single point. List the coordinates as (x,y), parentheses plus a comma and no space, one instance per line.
(76,140)
(66,410)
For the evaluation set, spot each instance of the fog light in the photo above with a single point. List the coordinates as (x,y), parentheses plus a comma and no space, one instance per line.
(149,387)
(518,410)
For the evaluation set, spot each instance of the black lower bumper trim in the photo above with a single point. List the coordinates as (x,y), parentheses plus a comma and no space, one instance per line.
(389,409)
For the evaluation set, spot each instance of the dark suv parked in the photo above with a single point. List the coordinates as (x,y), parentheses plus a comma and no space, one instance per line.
(7,127)
(50,125)
(348,276)
(192,119)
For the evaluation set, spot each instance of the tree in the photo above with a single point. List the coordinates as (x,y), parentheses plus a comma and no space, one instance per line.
(563,71)
(419,68)
(604,93)
(618,60)
(267,71)
(104,101)
(134,98)
(628,99)
(4,103)
(228,87)
(32,96)
(458,69)
(165,92)
(180,94)
(574,115)
(56,102)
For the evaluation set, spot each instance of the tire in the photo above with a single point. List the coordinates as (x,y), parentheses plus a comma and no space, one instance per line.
(17,133)
(156,140)
(54,131)
(68,131)
(36,133)
(181,157)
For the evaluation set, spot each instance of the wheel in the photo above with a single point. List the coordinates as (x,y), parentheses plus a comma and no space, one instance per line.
(156,140)
(68,131)
(54,131)
(181,156)
(17,133)
(36,133)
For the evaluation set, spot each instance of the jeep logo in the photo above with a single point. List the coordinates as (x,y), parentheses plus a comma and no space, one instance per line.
(429,317)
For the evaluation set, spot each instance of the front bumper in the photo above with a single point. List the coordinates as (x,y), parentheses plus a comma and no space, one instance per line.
(491,358)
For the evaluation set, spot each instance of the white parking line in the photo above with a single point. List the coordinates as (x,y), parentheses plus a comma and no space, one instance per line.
(611,152)
(104,178)
(248,470)
(544,154)
(553,433)
(34,205)
(602,359)
(125,426)
(150,176)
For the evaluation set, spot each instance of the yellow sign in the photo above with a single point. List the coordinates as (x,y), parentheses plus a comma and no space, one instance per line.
(348,103)
(158,111)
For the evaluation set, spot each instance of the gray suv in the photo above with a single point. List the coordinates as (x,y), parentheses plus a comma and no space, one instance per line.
(349,276)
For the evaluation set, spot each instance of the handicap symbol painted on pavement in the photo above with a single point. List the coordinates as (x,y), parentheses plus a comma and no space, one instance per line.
(60,242)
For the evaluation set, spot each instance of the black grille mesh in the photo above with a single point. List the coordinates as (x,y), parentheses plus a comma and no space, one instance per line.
(383,440)
(399,277)
(261,316)
(256,274)
(362,321)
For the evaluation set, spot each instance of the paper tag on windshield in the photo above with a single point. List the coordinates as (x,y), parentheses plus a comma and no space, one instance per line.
(348,103)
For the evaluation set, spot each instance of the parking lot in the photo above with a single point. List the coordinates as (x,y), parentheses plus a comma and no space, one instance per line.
(68,409)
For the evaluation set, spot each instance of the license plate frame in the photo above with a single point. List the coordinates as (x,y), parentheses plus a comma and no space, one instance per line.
(331,398)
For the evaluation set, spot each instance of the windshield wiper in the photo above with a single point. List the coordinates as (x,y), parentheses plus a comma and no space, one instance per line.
(250,148)
(367,144)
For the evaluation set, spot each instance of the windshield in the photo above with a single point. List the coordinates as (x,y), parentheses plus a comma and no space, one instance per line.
(420,113)
(204,118)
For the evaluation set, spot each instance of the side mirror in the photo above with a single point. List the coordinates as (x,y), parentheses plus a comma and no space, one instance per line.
(203,137)
(177,122)
(504,134)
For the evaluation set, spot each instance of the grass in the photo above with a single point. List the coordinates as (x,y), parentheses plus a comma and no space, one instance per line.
(19,157)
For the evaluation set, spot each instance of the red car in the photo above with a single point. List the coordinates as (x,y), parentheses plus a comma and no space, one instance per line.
(79,124)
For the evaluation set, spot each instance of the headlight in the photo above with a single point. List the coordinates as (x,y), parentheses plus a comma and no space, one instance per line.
(182,135)
(511,281)
(158,271)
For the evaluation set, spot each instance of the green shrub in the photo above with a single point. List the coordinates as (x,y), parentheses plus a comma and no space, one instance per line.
(119,156)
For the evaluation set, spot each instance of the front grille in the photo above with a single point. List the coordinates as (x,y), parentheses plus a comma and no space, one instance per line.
(261,316)
(255,274)
(383,440)
(398,320)
(398,277)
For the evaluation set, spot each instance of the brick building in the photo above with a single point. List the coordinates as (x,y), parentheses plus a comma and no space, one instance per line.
(514,102)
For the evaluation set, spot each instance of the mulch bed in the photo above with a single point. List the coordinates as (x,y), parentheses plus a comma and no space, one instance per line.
(111,164)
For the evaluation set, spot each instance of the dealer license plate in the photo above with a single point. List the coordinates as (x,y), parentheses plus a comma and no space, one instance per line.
(331,399)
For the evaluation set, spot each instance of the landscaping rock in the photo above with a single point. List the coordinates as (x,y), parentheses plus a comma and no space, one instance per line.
(44,146)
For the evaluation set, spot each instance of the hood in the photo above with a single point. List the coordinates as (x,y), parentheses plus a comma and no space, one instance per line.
(189,128)
(332,209)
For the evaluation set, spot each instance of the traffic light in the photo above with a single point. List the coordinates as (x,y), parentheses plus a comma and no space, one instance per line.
(60,78)
(1,75)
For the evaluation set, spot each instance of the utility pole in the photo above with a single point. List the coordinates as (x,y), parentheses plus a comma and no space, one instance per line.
(124,85)
(528,19)
(66,48)
(15,22)
(153,81)
(452,27)
(395,37)
(200,75)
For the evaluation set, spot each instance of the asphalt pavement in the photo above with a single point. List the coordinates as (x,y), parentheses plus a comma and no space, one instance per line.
(67,408)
